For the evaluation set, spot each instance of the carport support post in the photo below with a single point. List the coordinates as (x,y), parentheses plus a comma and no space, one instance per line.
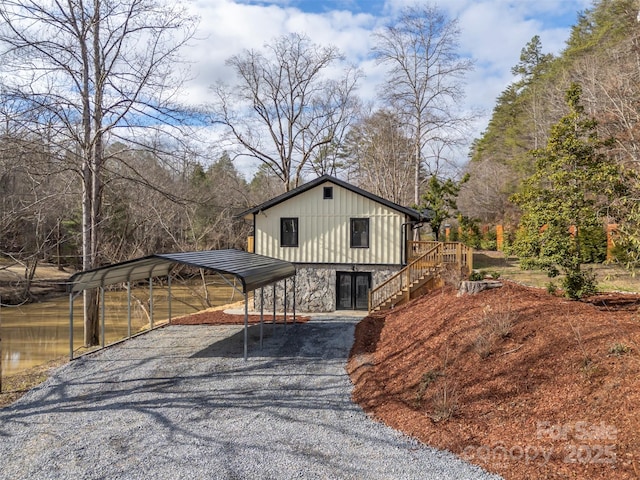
(102,315)
(150,303)
(71,326)
(129,309)
(169,293)
(285,303)
(274,304)
(294,300)
(246,323)
(261,314)
(0,344)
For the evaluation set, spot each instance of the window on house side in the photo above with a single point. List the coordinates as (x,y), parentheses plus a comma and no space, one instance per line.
(288,232)
(327,193)
(359,233)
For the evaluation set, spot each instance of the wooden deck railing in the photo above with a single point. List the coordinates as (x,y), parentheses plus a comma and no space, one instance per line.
(452,252)
(425,259)
(417,249)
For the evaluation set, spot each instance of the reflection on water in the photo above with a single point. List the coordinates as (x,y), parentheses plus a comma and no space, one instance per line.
(33,334)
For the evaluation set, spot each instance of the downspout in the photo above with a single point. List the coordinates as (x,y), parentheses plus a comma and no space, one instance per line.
(254,233)
(404,254)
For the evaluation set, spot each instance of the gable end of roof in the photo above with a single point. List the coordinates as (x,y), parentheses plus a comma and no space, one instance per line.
(410,212)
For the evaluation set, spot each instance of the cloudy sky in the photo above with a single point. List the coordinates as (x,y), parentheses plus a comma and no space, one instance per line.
(492,34)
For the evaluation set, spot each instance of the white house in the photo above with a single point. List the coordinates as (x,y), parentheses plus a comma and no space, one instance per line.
(343,241)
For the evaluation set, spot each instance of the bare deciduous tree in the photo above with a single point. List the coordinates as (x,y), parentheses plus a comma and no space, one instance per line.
(379,157)
(486,195)
(425,78)
(97,69)
(285,109)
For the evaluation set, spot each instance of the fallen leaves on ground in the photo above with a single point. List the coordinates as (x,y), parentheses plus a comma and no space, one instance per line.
(518,381)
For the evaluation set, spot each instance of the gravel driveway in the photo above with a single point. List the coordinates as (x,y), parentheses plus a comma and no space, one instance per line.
(180,403)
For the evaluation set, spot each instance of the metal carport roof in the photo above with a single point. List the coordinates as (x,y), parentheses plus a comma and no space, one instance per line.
(253,270)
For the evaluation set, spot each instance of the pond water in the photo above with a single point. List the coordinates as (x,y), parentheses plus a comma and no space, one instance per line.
(35,333)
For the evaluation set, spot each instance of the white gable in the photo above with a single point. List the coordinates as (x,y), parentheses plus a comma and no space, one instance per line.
(324,228)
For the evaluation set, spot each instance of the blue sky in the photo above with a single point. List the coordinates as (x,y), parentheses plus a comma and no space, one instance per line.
(374,7)
(493,32)
(562,14)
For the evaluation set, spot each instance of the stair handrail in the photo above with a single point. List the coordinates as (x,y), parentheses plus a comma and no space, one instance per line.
(403,279)
(400,283)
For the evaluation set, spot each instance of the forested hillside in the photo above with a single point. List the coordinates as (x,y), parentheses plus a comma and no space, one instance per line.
(602,55)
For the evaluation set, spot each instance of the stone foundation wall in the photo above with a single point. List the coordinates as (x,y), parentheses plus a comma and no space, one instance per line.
(315,287)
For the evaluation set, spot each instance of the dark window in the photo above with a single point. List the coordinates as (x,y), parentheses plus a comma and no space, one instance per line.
(288,232)
(327,193)
(359,233)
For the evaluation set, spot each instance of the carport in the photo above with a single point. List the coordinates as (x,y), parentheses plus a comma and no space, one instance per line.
(252,270)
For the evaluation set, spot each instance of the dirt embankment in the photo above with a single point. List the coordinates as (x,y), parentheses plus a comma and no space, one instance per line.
(523,383)
(49,281)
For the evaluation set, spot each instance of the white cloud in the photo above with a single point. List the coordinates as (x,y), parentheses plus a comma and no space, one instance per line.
(227,28)
(492,33)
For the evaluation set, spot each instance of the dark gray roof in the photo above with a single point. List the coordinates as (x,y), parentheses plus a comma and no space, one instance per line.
(254,271)
(410,212)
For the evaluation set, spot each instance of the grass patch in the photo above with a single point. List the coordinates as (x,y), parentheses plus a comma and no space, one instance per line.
(609,277)
(16,385)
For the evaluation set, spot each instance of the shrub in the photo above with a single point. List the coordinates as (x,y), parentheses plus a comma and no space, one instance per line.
(451,275)
(489,240)
(483,345)
(578,284)
(470,233)
(444,402)
(499,322)
(476,276)
(496,324)
(619,349)
(427,379)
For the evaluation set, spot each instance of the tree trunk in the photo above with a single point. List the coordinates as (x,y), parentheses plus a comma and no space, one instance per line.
(90,307)
(416,180)
(471,288)
(91,319)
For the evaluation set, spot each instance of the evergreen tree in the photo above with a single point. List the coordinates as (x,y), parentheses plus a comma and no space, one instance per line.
(440,198)
(532,61)
(573,179)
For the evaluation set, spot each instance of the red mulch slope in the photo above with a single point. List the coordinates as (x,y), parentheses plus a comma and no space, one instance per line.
(523,383)
(218,317)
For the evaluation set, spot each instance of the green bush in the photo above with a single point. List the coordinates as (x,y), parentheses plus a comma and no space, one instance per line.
(578,284)
(476,276)
(470,232)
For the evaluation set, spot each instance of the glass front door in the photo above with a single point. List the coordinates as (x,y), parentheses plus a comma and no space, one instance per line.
(352,290)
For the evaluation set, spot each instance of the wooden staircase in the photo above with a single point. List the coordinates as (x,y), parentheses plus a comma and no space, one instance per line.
(427,261)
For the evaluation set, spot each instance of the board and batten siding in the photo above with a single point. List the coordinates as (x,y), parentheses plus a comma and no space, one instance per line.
(324,229)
